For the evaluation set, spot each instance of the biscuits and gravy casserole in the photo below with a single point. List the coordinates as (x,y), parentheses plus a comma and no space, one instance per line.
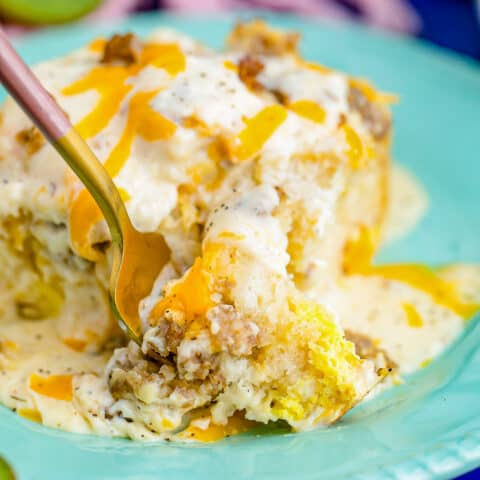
(269,177)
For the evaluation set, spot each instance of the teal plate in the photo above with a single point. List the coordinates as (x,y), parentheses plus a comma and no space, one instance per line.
(428,428)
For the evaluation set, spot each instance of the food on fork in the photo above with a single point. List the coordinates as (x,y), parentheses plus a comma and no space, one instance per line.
(269,177)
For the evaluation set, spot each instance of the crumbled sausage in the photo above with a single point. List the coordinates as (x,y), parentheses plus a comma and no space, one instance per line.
(128,371)
(130,376)
(365,348)
(195,358)
(123,49)
(31,139)
(234,333)
(162,340)
(248,69)
(376,118)
(258,39)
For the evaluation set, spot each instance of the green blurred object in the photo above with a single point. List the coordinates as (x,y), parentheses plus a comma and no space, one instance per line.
(35,12)
(6,473)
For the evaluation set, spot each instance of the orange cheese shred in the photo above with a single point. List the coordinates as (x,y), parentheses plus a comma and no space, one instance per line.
(109,82)
(259,129)
(97,45)
(414,319)
(168,56)
(190,295)
(83,214)
(358,257)
(354,149)
(308,109)
(142,120)
(58,387)
(75,344)
(228,64)
(31,414)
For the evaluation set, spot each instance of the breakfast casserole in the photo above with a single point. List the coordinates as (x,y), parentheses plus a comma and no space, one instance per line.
(269,177)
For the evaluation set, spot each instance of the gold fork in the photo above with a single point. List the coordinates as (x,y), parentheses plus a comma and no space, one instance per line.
(137,257)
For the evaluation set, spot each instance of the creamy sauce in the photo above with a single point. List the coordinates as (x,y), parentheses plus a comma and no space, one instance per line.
(37,371)
(409,310)
(408,204)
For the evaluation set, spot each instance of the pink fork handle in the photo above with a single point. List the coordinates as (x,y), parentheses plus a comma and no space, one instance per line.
(25,88)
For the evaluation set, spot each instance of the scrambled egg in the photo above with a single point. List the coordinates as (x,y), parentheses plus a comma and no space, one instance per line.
(268,177)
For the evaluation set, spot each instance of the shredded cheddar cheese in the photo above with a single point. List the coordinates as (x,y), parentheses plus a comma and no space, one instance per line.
(75,344)
(168,56)
(230,65)
(358,258)
(31,414)
(355,148)
(97,45)
(308,109)
(58,387)
(143,121)
(109,82)
(259,129)
(191,295)
(414,319)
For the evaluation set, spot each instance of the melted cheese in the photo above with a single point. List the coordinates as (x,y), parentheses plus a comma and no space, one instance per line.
(355,148)
(191,295)
(212,433)
(75,344)
(30,414)
(230,65)
(414,319)
(97,45)
(84,213)
(109,82)
(58,387)
(259,129)
(308,109)
(358,260)
(142,120)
